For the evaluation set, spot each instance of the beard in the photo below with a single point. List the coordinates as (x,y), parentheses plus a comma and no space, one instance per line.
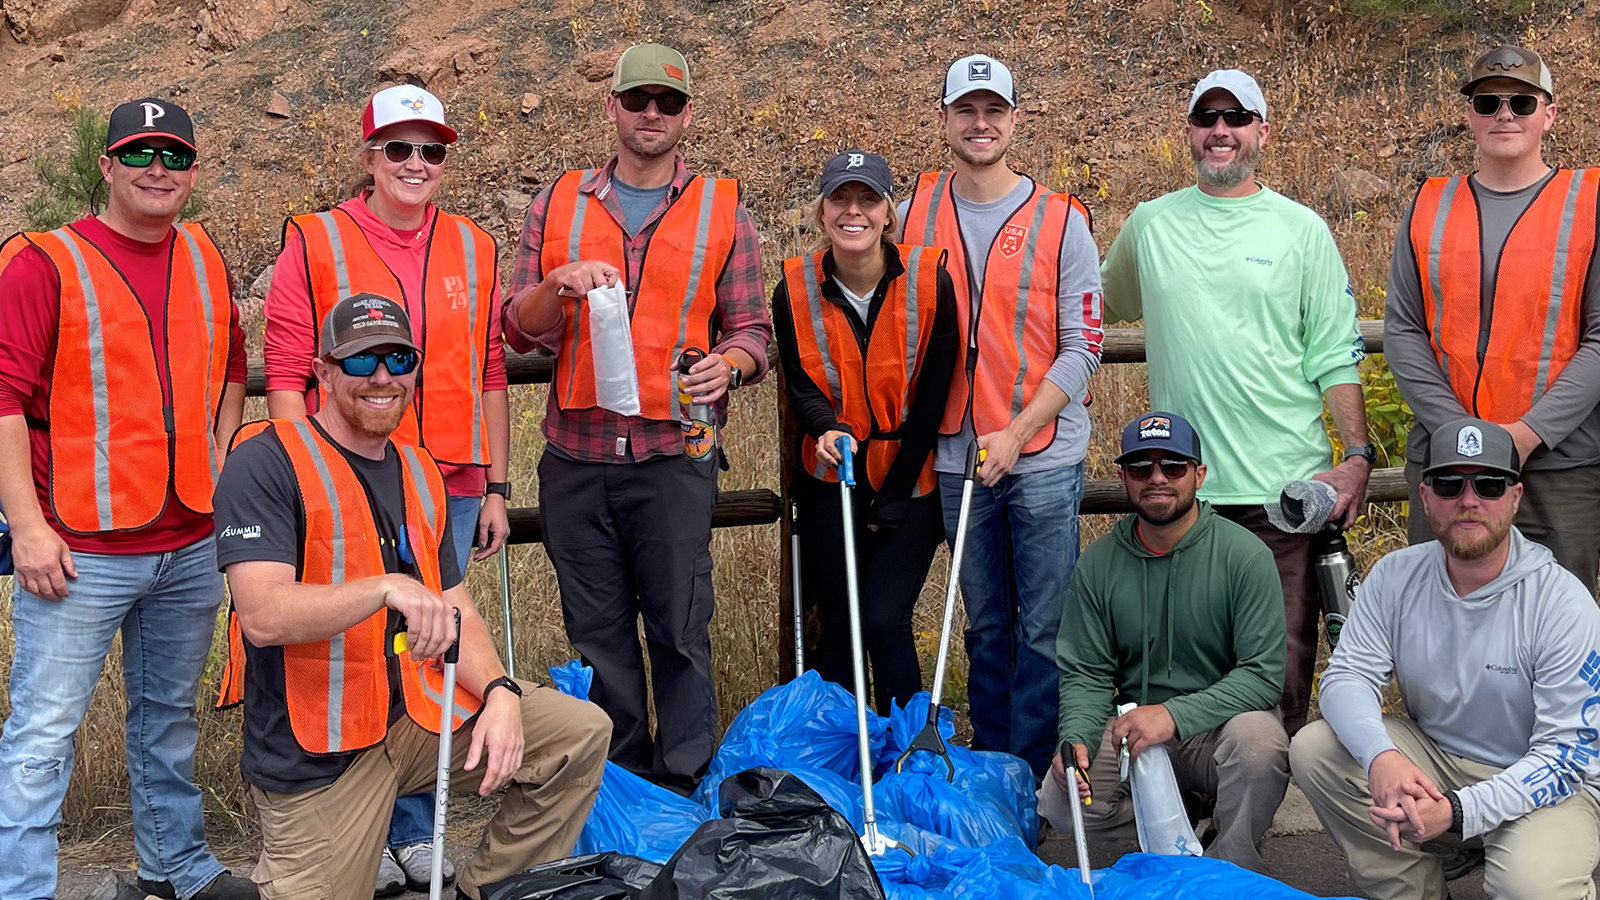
(1161,513)
(651,147)
(1469,549)
(374,423)
(1230,175)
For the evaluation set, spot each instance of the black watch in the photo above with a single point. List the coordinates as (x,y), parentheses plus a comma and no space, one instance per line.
(505,682)
(503,488)
(1365,451)
(735,376)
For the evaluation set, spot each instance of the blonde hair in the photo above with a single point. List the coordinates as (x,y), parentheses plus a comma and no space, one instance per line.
(820,242)
(364,181)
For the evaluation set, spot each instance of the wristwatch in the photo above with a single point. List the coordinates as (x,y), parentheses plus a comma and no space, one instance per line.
(503,488)
(735,376)
(1365,451)
(505,682)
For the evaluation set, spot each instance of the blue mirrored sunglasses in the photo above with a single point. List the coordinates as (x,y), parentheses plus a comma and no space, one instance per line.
(362,365)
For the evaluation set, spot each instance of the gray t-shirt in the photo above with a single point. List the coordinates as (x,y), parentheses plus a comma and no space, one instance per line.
(862,305)
(1077,315)
(1565,417)
(637,203)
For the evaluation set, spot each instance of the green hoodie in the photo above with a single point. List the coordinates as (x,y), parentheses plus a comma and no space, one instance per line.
(1199,630)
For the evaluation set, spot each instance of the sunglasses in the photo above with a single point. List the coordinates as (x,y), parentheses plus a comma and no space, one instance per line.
(1489,487)
(398,362)
(399,151)
(635,100)
(1522,105)
(139,156)
(1171,469)
(1236,117)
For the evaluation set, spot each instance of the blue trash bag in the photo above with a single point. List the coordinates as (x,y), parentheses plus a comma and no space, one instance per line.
(1145,876)
(806,723)
(1004,870)
(933,804)
(630,816)
(1000,780)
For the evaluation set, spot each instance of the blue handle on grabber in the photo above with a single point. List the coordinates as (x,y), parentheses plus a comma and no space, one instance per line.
(847,467)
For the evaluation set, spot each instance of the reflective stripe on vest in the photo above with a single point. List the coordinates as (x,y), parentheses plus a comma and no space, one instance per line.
(337,691)
(114,435)
(450,320)
(871,392)
(1017,339)
(1538,290)
(674,302)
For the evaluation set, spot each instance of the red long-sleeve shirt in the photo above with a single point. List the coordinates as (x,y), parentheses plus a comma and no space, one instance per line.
(30,309)
(291,338)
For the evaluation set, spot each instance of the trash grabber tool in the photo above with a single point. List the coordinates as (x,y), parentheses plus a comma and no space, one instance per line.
(1077,829)
(876,842)
(799,611)
(441,790)
(505,605)
(928,739)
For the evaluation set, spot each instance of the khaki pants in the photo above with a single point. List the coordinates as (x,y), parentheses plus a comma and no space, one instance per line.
(1244,764)
(324,844)
(1548,854)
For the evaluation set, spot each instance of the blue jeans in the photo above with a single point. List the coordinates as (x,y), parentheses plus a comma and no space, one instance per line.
(1021,545)
(412,820)
(165,605)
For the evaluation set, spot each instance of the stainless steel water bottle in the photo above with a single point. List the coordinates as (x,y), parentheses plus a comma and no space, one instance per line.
(698,420)
(1337,579)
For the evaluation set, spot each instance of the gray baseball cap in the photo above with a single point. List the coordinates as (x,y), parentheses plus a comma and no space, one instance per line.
(1472,442)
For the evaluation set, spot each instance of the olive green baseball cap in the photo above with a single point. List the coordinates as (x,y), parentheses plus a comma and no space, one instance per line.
(647,64)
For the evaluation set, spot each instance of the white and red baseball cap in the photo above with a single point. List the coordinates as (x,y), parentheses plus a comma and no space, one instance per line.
(404,103)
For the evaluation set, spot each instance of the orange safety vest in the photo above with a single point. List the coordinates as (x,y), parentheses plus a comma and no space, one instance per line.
(675,301)
(453,312)
(337,690)
(871,393)
(1537,317)
(1017,340)
(121,429)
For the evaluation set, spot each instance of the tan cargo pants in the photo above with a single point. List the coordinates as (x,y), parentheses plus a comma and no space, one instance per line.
(1548,854)
(324,844)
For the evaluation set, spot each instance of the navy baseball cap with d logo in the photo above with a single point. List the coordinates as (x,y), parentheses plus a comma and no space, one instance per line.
(1163,431)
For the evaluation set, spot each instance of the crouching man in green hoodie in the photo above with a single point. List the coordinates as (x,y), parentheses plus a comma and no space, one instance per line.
(1180,611)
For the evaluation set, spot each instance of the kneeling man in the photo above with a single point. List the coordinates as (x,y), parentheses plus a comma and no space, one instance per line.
(1496,649)
(333,539)
(1180,611)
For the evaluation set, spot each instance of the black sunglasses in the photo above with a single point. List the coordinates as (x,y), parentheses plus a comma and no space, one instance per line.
(1522,105)
(635,100)
(139,156)
(362,365)
(1171,469)
(433,153)
(1236,117)
(1489,487)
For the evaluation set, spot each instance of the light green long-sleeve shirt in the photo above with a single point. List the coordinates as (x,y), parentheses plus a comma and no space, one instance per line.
(1249,319)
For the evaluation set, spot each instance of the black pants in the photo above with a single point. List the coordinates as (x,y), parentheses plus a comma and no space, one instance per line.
(1302,607)
(891,565)
(627,541)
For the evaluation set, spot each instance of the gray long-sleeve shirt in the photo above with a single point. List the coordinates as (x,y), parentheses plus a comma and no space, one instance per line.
(1077,318)
(1507,676)
(1566,418)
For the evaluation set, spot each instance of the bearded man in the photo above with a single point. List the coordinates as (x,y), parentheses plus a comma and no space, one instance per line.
(1496,649)
(1250,325)
(1178,610)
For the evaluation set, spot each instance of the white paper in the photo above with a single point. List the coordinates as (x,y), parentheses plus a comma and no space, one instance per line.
(616,378)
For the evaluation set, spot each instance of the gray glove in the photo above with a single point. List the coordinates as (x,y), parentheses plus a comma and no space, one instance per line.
(1303,507)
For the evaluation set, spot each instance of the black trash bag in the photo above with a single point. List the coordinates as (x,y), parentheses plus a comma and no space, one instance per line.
(598,876)
(776,840)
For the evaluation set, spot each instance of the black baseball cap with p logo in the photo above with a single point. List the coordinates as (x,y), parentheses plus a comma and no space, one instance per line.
(149,118)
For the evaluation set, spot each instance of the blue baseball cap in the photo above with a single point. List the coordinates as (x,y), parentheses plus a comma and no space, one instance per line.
(1160,431)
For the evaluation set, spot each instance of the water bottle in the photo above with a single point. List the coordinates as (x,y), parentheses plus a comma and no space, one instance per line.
(1337,579)
(698,420)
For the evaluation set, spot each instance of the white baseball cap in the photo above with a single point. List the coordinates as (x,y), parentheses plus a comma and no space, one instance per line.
(404,103)
(1241,86)
(978,73)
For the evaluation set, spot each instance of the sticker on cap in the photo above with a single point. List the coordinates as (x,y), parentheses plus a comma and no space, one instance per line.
(1154,427)
(672,71)
(855,161)
(978,70)
(1470,441)
(414,104)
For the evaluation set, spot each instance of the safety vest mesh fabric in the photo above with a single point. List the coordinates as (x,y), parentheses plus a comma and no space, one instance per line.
(1537,317)
(675,300)
(337,690)
(871,393)
(1017,337)
(457,300)
(116,439)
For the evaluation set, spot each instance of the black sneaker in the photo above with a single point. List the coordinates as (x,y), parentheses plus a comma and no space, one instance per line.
(226,886)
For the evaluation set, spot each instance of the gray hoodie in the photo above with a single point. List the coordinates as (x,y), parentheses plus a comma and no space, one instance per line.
(1506,676)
